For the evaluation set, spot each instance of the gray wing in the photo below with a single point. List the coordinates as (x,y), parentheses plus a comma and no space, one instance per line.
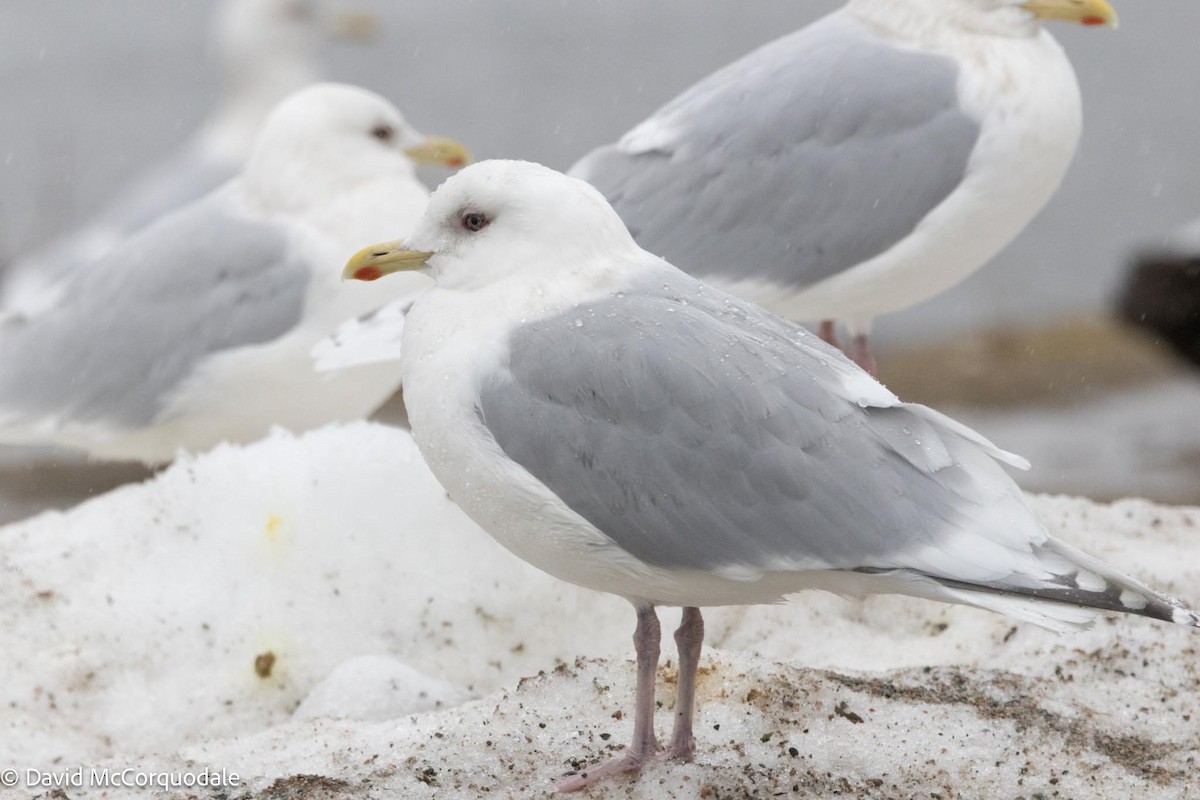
(171,185)
(808,156)
(697,431)
(134,325)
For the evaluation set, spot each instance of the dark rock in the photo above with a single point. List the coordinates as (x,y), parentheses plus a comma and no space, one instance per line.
(1162,295)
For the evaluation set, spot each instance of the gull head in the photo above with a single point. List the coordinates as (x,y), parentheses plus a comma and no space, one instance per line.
(330,138)
(497,219)
(255,38)
(271,32)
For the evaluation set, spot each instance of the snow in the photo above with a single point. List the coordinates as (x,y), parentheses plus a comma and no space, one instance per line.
(164,595)
(316,616)
(378,688)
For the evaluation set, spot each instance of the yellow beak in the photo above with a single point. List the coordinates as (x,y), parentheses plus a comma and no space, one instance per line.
(372,263)
(440,150)
(1085,12)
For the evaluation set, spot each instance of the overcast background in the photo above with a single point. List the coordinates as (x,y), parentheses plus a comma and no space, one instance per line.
(93,91)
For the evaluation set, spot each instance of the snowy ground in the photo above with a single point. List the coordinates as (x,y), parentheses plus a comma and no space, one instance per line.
(314,615)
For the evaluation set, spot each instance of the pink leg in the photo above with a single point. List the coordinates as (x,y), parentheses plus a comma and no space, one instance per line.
(828,333)
(646,644)
(862,354)
(689,638)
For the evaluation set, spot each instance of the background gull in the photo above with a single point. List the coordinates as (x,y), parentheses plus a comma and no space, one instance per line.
(627,428)
(862,164)
(199,328)
(266,49)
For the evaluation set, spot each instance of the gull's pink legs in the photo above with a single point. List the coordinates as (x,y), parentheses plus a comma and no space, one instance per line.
(859,350)
(646,639)
(688,638)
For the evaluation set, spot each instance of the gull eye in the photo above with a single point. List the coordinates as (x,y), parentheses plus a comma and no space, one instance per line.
(474,221)
(383,132)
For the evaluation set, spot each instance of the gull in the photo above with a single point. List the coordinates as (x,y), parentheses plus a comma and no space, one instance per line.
(199,328)
(628,428)
(266,49)
(862,164)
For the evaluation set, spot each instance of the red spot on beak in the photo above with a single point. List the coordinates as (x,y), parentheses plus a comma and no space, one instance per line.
(1093,21)
(455,162)
(368,274)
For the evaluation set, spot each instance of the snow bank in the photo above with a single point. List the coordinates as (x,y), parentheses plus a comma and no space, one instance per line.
(212,599)
(314,615)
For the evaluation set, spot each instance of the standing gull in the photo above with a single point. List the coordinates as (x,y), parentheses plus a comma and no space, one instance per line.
(199,329)
(862,164)
(266,49)
(625,427)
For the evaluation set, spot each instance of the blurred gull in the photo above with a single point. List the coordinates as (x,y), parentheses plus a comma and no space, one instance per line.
(627,428)
(267,49)
(862,164)
(200,328)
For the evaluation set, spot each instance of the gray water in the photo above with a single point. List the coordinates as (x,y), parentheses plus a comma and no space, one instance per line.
(95,90)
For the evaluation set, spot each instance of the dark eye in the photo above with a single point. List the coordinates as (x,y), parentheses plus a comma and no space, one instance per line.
(383,133)
(475,221)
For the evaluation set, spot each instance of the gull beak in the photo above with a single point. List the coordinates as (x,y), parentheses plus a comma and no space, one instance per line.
(355,26)
(1085,12)
(440,150)
(372,263)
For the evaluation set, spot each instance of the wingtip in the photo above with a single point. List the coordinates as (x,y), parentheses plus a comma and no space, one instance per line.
(1185,616)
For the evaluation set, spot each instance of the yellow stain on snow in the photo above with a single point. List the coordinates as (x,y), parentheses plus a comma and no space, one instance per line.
(275,546)
(274,524)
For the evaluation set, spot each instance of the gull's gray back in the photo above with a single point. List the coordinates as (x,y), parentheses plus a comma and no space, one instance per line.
(135,324)
(808,156)
(697,431)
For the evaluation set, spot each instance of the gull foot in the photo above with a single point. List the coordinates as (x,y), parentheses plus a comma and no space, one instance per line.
(684,753)
(589,775)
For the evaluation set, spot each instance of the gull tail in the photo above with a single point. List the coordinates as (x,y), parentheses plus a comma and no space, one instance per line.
(1073,590)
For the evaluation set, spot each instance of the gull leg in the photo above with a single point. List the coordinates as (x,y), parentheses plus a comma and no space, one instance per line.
(862,353)
(646,644)
(689,638)
(828,333)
